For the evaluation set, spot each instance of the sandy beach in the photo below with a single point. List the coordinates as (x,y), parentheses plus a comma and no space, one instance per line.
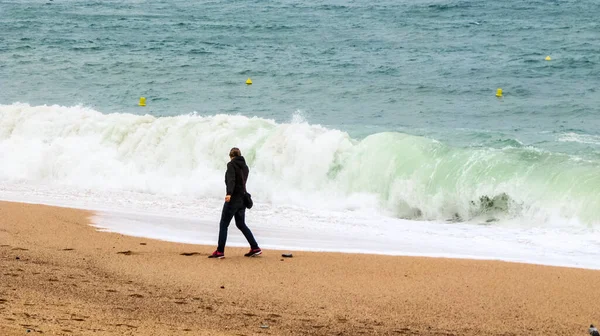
(61,276)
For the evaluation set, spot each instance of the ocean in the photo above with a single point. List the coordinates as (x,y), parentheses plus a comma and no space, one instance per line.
(369,126)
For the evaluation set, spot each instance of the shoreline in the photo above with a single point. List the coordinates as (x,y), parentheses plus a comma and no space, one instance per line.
(559,258)
(71,279)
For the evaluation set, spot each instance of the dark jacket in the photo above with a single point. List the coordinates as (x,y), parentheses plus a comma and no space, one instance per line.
(235,179)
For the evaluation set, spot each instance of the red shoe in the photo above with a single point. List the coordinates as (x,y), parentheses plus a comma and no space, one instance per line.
(253,252)
(217,254)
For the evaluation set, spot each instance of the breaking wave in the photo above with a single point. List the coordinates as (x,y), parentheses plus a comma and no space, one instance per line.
(294,163)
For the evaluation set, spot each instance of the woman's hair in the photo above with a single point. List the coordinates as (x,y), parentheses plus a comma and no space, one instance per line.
(235,152)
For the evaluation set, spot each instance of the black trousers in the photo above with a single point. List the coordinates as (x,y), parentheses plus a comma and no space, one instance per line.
(239,212)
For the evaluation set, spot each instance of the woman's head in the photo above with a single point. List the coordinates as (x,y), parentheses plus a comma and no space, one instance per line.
(234,152)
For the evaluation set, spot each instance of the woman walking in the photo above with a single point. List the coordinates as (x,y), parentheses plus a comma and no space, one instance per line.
(234,207)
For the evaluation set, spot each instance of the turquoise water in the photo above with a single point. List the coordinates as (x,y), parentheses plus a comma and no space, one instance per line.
(412,83)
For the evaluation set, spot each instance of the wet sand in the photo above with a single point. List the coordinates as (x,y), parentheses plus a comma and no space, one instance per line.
(60,276)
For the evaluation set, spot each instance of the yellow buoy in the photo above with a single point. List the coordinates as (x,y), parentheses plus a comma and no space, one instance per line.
(499,93)
(548,58)
(248,81)
(142,101)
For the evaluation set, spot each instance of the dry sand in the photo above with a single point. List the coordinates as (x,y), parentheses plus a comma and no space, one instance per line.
(60,276)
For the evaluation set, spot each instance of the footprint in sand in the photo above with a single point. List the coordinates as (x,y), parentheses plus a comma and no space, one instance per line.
(126,252)
(125,325)
(68,249)
(187,254)
(19,249)
(137,295)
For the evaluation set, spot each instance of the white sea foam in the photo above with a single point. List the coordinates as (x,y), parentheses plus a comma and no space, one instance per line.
(295,164)
(315,188)
(580,138)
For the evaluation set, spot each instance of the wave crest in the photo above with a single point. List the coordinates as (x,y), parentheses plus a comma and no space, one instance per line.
(296,163)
